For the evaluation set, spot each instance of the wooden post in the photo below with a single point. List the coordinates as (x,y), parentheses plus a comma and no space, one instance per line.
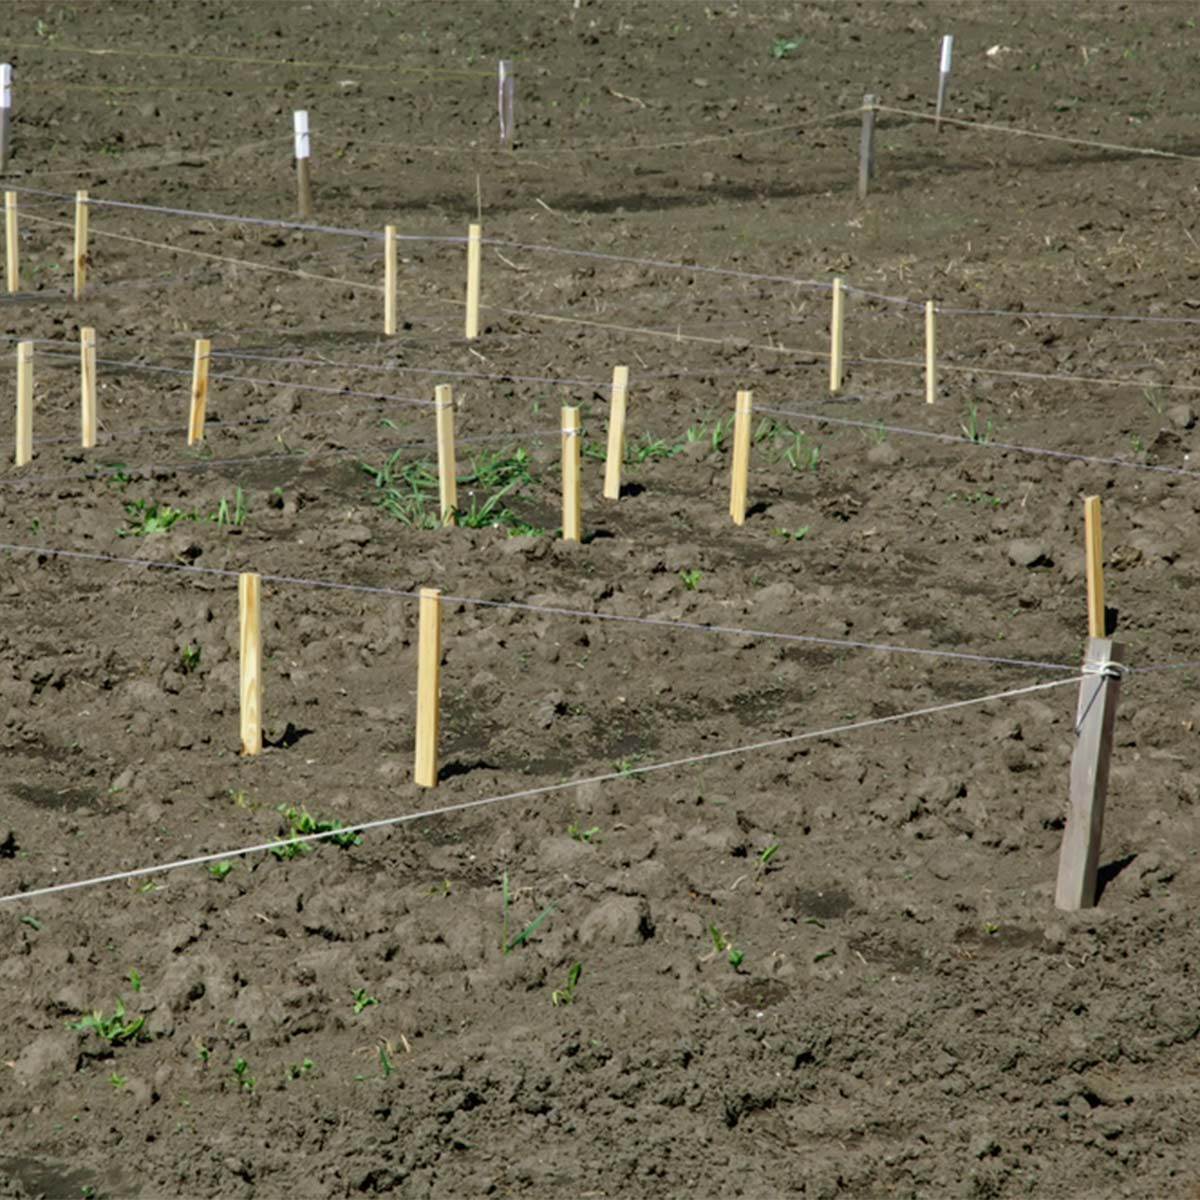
(249,585)
(87,387)
(837,321)
(931,377)
(447,459)
(1094,720)
(943,78)
(304,202)
(5,113)
(741,457)
(24,447)
(507,129)
(429,669)
(866,146)
(1095,567)
(81,242)
(389,280)
(12,253)
(616,434)
(571,520)
(199,390)
(473,253)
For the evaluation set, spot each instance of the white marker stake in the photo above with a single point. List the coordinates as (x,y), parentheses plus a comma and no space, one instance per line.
(506,103)
(943,77)
(5,112)
(303,181)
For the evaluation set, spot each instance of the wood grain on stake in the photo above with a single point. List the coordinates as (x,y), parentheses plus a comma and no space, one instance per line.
(571,520)
(249,586)
(474,234)
(616,434)
(87,387)
(447,458)
(1095,566)
(304,203)
(12,253)
(429,668)
(837,320)
(81,242)
(389,280)
(199,404)
(24,447)
(741,457)
(1079,857)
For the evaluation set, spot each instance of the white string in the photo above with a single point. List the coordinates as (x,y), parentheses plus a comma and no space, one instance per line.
(465,805)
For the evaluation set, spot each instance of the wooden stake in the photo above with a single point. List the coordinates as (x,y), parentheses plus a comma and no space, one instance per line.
(5,113)
(473,253)
(429,670)
(570,474)
(249,585)
(931,378)
(1094,720)
(741,457)
(199,390)
(389,280)
(447,460)
(87,387)
(943,78)
(616,434)
(81,242)
(304,203)
(507,129)
(24,448)
(12,253)
(866,146)
(837,322)
(1095,567)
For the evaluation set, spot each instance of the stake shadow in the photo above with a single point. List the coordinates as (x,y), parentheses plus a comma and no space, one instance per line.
(1107,872)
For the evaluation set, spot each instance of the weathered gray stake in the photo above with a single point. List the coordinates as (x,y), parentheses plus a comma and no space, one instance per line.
(1080,854)
(866,146)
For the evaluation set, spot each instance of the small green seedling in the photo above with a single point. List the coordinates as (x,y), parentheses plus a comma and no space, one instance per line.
(232,515)
(793,535)
(32,922)
(691,577)
(991,928)
(189,659)
(299,1070)
(144,518)
(241,1068)
(567,994)
(219,870)
(203,1053)
(722,945)
(385,1063)
(303,823)
(781,47)
(765,857)
(135,980)
(974,431)
(117,1081)
(507,944)
(361,1000)
(114,1030)
(582,835)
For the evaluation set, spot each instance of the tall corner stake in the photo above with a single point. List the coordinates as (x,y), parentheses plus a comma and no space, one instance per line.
(866,146)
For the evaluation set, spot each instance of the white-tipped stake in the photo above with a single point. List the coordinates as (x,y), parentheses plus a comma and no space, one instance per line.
(943,78)
(5,112)
(505,98)
(303,178)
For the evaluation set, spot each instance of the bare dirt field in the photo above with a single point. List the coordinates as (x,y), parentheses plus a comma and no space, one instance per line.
(817,950)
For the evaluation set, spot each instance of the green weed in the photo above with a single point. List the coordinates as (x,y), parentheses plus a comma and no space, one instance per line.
(764,859)
(219,870)
(566,994)
(300,1069)
(722,945)
(580,834)
(301,823)
(144,518)
(114,1030)
(791,445)
(781,47)
(792,535)
(691,577)
(974,431)
(361,999)
(509,944)
(189,659)
(232,515)
(246,1081)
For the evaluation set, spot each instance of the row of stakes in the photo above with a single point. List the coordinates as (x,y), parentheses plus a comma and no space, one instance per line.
(471,326)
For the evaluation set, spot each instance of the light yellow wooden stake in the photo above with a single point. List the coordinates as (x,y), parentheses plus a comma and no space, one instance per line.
(1095,566)
(429,670)
(199,391)
(570,474)
(447,459)
(741,457)
(616,434)
(81,242)
(836,326)
(24,449)
(931,378)
(12,254)
(389,280)
(249,585)
(473,267)
(87,387)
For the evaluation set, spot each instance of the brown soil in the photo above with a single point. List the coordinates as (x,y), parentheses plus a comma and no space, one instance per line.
(912,1016)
